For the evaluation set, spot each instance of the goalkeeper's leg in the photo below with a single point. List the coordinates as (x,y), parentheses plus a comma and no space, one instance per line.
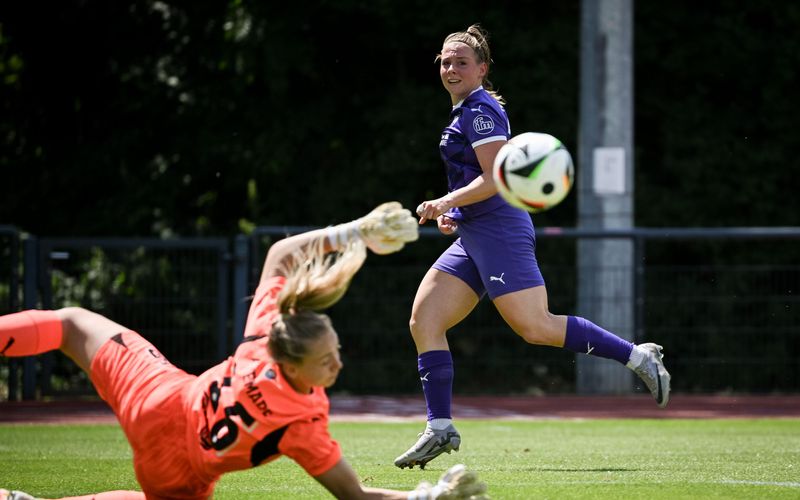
(77,332)
(28,333)
(108,495)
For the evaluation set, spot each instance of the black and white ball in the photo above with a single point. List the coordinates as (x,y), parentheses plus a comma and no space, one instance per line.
(533,171)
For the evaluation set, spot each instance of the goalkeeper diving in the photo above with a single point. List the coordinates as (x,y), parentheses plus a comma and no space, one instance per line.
(266,400)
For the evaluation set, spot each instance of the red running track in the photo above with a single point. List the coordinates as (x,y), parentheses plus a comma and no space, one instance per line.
(412,408)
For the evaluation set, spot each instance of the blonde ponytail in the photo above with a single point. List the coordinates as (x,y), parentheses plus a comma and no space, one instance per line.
(315,281)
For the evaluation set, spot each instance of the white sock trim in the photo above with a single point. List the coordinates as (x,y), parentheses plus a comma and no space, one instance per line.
(439,424)
(637,356)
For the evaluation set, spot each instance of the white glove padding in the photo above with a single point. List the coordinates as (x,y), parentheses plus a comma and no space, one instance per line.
(388,228)
(384,230)
(457,483)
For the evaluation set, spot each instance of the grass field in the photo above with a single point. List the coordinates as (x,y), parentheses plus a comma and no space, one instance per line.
(543,459)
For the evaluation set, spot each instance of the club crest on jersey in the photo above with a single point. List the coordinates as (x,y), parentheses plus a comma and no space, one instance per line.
(483,124)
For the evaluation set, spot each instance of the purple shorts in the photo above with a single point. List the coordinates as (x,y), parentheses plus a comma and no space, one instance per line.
(495,253)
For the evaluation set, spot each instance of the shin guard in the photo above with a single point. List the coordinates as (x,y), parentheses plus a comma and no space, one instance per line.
(29,332)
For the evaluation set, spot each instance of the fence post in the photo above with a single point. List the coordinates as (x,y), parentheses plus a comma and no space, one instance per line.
(222,301)
(13,306)
(241,268)
(30,299)
(606,187)
(638,287)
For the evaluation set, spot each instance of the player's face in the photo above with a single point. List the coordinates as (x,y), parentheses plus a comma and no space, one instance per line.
(460,70)
(321,365)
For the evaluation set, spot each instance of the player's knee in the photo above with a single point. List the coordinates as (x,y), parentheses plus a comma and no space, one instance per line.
(70,313)
(532,335)
(413,326)
(541,332)
(421,330)
(71,316)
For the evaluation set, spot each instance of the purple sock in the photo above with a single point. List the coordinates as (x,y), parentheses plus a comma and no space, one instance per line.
(588,338)
(436,373)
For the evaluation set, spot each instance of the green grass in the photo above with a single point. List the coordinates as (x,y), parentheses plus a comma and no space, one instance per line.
(558,459)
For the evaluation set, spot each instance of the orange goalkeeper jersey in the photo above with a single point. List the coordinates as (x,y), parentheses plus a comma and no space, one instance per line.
(244,413)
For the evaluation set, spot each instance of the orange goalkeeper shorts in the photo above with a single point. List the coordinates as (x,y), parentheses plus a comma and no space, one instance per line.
(147,393)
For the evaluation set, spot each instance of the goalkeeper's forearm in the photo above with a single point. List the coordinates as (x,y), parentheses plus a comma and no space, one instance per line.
(282,250)
(331,238)
(340,235)
(384,230)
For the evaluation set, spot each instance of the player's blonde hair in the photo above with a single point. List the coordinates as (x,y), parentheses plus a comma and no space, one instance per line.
(477,39)
(315,280)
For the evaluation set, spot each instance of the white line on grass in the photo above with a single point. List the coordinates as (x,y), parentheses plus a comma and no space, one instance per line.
(785,484)
(782,484)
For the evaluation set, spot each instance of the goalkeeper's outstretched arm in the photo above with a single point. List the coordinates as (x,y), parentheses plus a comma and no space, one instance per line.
(384,230)
(457,483)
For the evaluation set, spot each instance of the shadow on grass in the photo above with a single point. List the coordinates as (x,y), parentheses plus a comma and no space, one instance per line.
(600,469)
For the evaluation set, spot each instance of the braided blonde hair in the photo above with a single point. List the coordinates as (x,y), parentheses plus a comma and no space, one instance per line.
(315,280)
(477,39)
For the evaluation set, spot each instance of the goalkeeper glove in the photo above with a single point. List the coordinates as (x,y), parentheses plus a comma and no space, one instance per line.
(457,483)
(385,230)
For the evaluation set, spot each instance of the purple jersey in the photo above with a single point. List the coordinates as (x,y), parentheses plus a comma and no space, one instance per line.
(477,120)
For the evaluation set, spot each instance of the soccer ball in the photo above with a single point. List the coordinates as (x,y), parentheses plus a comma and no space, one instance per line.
(533,171)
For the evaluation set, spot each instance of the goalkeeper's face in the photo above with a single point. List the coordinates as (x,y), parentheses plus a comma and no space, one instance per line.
(321,364)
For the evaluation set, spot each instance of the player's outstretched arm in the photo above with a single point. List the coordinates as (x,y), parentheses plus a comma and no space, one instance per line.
(457,483)
(384,230)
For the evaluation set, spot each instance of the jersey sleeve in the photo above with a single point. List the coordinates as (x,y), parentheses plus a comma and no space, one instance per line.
(310,445)
(264,308)
(484,124)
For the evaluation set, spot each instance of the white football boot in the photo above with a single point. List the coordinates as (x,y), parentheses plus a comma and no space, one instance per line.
(430,445)
(652,371)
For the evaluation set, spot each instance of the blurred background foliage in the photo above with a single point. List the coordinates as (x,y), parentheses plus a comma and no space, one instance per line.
(178,118)
(170,118)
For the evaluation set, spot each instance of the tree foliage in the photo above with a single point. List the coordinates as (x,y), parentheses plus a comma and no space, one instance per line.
(169,117)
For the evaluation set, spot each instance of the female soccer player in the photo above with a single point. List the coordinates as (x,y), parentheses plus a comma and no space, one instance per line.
(494,254)
(266,400)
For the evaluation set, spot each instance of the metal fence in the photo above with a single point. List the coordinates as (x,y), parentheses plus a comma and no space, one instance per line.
(174,292)
(9,302)
(722,302)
